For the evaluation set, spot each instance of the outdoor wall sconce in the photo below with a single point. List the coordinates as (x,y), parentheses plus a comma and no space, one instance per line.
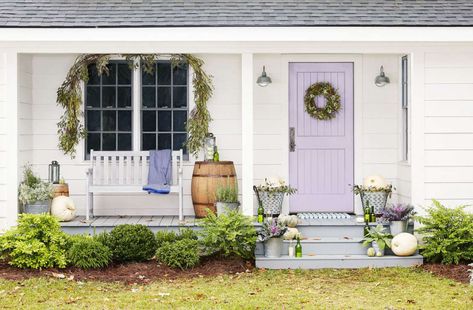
(381,80)
(263,79)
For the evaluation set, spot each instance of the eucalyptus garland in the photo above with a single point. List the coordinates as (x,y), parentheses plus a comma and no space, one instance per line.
(69,96)
(331,96)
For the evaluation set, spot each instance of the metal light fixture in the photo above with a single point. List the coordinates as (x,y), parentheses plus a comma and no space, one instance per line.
(54,172)
(263,80)
(381,80)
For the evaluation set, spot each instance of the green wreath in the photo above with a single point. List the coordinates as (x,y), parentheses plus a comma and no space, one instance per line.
(331,96)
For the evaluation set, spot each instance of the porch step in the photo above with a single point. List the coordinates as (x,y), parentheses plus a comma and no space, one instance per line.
(324,246)
(337,261)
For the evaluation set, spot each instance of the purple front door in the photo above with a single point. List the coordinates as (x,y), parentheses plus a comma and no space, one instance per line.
(321,163)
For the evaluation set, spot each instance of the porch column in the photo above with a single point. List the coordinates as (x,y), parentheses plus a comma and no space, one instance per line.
(9,133)
(247,83)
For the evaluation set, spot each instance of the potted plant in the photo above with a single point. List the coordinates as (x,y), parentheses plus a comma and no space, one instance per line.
(227,198)
(374,193)
(398,216)
(378,238)
(34,193)
(270,194)
(271,233)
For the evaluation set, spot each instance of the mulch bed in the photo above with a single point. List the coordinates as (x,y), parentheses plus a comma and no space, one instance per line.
(132,273)
(455,272)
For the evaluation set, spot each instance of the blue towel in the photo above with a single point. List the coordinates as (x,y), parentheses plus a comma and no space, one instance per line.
(159,175)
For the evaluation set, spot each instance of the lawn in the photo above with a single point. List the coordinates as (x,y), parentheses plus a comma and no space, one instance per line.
(394,288)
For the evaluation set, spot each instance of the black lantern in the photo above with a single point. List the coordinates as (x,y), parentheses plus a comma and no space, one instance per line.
(54,171)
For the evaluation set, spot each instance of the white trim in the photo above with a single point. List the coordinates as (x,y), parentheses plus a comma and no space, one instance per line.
(357,61)
(11,113)
(136,106)
(232,34)
(247,150)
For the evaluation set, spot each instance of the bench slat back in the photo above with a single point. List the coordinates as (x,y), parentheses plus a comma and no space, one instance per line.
(127,167)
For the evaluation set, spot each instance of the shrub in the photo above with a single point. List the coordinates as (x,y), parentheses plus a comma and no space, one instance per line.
(87,252)
(164,236)
(37,242)
(228,235)
(447,234)
(130,243)
(181,254)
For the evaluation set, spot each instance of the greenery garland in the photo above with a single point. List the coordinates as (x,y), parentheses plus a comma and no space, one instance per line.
(331,95)
(69,96)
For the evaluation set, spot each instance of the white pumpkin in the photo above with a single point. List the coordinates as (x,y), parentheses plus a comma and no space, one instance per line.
(63,208)
(375,181)
(291,233)
(404,244)
(288,220)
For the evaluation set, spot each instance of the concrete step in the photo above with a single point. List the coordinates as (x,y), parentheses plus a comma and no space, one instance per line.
(324,246)
(337,261)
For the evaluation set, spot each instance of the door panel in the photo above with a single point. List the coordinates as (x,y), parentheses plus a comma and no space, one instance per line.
(321,166)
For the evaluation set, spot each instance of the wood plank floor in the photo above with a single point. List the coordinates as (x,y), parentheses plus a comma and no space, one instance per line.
(111,221)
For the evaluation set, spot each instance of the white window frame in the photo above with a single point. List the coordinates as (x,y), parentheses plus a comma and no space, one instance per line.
(405,107)
(136,106)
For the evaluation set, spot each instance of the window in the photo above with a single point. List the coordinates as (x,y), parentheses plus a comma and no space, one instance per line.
(405,108)
(164,107)
(109,108)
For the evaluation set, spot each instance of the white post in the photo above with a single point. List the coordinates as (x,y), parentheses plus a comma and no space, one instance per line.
(11,145)
(247,82)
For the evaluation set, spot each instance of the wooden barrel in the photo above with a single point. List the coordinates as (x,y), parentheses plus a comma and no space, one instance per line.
(206,178)
(61,190)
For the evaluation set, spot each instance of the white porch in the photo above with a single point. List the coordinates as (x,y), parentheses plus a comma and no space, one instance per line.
(250,122)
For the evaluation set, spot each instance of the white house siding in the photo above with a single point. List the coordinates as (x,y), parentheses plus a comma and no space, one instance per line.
(25,111)
(449,127)
(225,107)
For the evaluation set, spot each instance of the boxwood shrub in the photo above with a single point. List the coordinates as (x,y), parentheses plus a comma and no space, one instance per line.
(181,254)
(87,252)
(130,242)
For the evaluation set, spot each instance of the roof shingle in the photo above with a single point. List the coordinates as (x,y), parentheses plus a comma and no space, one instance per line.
(221,13)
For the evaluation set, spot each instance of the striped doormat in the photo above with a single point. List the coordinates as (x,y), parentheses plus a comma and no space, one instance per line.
(323,215)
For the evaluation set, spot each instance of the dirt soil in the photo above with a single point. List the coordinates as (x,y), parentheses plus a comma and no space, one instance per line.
(455,272)
(131,273)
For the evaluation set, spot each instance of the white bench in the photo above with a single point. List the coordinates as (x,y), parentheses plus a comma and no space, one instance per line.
(126,172)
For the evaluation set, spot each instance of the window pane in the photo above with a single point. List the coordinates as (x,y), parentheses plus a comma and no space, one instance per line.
(93,120)
(179,141)
(149,97)
(94,78)
(148,122)
(108,97)
(149,141)
(148,79)
(164,121)
(164,73)
(180,97)
(179,120)
(124,97)
(124,141)
(110,79)
(164,141)
(180,75)
(109,120)
(93,142)
(93,96)
(164,97)
(109,142)
(124,74)
(124,120)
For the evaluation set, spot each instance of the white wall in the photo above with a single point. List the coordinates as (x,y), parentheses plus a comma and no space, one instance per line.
(449,127)
(25,111)
(225,107)
(3,141)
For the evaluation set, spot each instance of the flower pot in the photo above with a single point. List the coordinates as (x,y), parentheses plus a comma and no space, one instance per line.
(272,202)
(39,207)
(377,249)
(224,207)
(397,227)
(273,247)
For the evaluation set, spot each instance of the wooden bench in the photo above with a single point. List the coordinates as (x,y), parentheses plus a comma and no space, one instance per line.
(126,172)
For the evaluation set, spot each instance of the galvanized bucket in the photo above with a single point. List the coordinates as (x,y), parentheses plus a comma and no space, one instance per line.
(273,247)
(39,207)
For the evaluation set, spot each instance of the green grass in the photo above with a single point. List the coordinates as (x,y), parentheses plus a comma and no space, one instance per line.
(326,289)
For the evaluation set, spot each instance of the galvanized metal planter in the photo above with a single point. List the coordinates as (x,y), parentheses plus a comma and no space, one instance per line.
(273,247)
(224,207)
(272,202)
(397,227)
(376,200)
(39,207)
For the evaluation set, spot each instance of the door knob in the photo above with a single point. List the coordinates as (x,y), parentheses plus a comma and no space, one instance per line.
(292,139)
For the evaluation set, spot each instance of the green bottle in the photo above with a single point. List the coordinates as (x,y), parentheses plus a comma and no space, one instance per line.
(216,155)
(260,213)
(367,213)
(372,215)
(298,248)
